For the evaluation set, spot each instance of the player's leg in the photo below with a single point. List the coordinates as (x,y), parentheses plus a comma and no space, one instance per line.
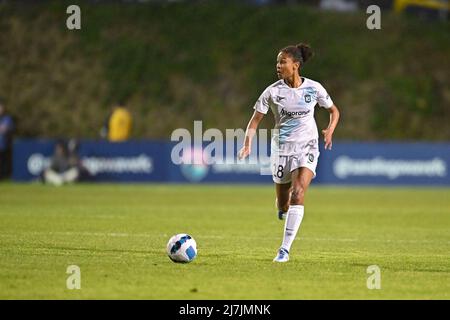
(281,175)
(301,179)
(283,191)
(303,170)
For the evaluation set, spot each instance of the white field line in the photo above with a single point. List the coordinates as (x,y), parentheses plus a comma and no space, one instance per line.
(144,235)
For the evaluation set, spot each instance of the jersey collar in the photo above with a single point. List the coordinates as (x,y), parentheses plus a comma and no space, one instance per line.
(303,82)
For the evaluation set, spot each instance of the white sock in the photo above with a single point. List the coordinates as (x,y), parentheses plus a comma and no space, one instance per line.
(293,221)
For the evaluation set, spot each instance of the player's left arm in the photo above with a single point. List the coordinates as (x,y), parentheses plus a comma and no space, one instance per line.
(328,132)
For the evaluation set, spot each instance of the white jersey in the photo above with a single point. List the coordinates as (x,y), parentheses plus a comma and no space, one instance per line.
(293,109)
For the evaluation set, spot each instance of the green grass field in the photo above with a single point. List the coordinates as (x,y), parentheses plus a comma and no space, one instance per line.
(117,235)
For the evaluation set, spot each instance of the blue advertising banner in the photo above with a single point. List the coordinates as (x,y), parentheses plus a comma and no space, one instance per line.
(152,161)
(386,164)
(104,161)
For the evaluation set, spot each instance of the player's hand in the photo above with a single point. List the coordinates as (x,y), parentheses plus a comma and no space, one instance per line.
(328,137)
(244,152)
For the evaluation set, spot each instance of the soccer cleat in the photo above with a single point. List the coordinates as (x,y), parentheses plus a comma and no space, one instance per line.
(281,215)
(282,256)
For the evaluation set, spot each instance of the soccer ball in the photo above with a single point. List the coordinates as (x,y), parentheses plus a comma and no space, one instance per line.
(182,248)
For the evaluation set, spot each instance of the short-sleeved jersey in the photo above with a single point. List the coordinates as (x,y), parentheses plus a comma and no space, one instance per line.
(293,109)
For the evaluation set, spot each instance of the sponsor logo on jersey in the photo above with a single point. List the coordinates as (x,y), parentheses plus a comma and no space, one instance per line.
(279,98)
(311,157)
(293,113)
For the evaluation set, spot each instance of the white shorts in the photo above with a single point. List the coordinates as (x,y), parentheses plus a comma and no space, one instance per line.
(283,165)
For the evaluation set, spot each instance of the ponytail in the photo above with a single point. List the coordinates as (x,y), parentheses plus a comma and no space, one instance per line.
(305,51)
(301,52)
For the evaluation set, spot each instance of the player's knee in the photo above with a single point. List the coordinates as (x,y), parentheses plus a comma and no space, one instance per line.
(297,195)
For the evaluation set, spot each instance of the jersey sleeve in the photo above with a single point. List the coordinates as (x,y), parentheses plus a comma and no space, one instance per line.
(263,103)
(323,98)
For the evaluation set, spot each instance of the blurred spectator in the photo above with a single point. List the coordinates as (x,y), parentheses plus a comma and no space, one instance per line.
(6,135)
(118,124)
(72,147)
(65,166)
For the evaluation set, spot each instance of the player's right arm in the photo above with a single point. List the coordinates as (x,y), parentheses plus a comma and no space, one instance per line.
(261,107)
(249,134)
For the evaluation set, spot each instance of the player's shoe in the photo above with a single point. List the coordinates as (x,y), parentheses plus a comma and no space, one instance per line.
(282,256)
(281,215)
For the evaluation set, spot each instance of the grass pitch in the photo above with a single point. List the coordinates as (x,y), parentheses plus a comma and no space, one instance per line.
(117,235)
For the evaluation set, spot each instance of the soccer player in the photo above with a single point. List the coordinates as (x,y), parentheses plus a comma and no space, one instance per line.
(294,144)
